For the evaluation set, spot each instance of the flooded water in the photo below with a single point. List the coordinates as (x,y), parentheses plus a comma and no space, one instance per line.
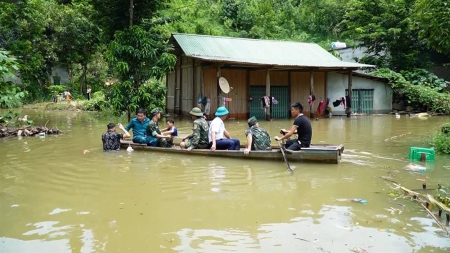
(55,197)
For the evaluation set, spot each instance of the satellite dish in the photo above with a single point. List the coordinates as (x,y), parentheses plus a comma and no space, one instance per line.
(224,86)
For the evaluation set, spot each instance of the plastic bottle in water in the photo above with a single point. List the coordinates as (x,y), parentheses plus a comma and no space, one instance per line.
(362,201)
(417,169)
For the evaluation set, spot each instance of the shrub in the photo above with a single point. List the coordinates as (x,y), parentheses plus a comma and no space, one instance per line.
(420,89)
(441,139)
(97,103)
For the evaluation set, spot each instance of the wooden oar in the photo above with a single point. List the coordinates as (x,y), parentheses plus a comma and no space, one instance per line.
(284,156)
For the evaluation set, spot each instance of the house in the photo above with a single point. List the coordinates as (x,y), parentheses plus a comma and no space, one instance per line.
(285,70)
(370,94)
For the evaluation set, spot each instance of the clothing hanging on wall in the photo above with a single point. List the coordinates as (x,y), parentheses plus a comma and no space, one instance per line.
(321,106)
(207,106)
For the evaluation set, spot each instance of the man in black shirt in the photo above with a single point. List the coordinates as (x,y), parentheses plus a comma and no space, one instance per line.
(302,126)
(111,139)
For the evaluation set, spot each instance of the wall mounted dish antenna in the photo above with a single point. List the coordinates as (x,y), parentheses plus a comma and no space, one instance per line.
(224,86)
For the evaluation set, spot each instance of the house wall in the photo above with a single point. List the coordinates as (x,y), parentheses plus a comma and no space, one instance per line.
(337,83)
(190,79)
(170,96)
(300,89)
(187,85)
(237,79)
(62,72)
(277,78)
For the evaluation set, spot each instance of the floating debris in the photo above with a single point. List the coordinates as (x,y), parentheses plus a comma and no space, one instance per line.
(28,131)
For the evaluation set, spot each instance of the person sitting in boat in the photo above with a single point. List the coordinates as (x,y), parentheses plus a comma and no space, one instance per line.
(257,138)
(139,125)
(199,137)
(303,127)
(171,129)
(111,139)
(157,139)
(217,132)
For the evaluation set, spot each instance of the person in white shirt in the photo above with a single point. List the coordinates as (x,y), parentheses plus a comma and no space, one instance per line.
(218,136)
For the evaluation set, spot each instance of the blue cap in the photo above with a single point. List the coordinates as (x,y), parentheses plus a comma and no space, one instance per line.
(221,111)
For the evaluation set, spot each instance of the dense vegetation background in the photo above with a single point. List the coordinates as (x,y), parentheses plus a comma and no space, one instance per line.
(124,41)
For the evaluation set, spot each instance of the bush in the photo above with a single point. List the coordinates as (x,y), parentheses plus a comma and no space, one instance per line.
(441,139)
(97,103)
(420,89)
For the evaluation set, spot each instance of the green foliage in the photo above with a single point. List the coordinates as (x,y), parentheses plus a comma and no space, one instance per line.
(56,89)
(425,78)
(97,103)
(384,28)
(441,139)
(10,94)
(76,37)
(114,15)
(419,93)
(137,54)
(432,19)
(8,118)
(149,95)
(96,72)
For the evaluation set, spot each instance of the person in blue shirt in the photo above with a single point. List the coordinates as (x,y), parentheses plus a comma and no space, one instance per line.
(171,128)
(139,125)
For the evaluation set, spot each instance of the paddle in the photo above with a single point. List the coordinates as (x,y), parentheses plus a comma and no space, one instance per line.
(284,156)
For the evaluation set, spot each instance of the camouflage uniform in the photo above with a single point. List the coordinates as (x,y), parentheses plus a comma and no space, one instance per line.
(153,130)
(199,138)
(260,138)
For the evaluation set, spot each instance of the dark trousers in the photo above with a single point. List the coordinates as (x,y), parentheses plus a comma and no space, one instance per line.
(227,144)
(293,145)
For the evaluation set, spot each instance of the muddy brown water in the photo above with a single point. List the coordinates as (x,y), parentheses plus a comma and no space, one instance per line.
(55,198)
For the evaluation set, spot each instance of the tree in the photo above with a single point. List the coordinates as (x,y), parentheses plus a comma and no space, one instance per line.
(432,19)
(114,15)
(137,54)
(76,37)
(28,36)
(10,94)
(383,27)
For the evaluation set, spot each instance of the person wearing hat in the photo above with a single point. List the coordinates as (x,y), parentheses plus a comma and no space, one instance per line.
(218,136)
(199,137)
(303,127)
(139,125)
(157,138)
(257,138)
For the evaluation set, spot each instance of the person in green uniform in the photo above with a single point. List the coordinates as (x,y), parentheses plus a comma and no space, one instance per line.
(199,137)
(160,140)
(257,138)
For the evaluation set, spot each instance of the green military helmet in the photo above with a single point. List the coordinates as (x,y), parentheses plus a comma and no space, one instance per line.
(196,112)
(155,111)
(252,121)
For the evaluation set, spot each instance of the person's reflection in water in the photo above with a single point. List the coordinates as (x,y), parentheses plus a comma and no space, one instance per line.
(249,174)
(217,176)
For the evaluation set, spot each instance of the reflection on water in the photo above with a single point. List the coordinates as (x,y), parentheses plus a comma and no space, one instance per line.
(334,231)
(56,197)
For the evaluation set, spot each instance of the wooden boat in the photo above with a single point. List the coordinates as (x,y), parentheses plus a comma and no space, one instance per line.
(315,153)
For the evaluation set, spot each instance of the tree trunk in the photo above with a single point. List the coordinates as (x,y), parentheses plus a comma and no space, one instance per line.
(131,12)
(84,78)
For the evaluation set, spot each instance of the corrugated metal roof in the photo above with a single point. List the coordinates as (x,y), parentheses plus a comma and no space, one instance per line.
(259,52)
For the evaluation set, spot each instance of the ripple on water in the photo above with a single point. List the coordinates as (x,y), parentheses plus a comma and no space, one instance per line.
(309,233)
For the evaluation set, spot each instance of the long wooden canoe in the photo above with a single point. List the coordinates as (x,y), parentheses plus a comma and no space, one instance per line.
(315,153)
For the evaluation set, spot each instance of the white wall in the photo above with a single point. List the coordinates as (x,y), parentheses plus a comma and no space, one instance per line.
(60,70)
(337,83)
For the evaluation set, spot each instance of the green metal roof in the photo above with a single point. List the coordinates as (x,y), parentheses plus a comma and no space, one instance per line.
(259,52)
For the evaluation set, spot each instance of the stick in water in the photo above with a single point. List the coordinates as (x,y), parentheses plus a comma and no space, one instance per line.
(284,156)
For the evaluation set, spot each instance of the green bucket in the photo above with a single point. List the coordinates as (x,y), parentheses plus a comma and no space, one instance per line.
(416,153)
